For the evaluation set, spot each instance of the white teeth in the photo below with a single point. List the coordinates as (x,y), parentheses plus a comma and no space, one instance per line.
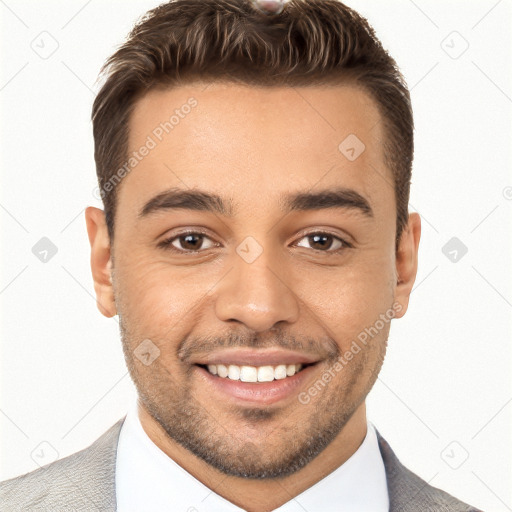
(222,371)
(249,374)
(280,372)
(290,370)
(234,372)
(265,373)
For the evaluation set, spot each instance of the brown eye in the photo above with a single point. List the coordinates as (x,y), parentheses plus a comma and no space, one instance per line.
(190,242)
(324,242)
(186,242)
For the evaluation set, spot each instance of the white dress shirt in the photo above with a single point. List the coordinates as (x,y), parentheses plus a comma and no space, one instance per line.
(148,480)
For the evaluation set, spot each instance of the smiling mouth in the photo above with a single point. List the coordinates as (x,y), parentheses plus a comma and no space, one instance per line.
(256,374)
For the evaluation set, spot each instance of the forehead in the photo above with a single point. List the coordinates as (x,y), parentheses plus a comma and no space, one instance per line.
(252,143)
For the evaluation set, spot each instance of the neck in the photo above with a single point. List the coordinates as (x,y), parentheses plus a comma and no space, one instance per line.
(268,494)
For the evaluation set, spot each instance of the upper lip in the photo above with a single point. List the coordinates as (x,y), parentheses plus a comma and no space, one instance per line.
(249,357)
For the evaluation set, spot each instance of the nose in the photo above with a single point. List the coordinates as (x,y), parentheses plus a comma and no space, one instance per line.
(256,294)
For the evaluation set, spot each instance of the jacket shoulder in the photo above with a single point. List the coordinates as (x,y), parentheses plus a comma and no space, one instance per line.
(83,481)
(409,493)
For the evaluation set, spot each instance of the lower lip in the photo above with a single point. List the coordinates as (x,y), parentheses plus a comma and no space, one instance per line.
(263,393)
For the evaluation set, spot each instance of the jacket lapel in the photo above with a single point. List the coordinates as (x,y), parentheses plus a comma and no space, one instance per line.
(409,493)
(92,472)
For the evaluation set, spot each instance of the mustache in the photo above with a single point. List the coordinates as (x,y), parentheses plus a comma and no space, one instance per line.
(324,348)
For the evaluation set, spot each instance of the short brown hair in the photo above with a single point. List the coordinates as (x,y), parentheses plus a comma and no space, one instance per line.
(311,42)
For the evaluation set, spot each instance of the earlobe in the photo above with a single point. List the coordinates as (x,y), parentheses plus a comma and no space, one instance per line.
(407,263)
(101,260)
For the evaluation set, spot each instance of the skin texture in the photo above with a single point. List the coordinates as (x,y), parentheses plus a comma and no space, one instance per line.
(252,146)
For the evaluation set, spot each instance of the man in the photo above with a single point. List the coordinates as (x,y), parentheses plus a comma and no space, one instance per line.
(254,160)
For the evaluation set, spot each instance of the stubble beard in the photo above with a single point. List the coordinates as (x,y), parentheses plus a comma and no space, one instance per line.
(285,449)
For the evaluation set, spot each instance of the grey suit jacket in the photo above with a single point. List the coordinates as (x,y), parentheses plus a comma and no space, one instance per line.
(84,481)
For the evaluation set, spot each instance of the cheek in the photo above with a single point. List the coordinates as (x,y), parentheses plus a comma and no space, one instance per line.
(351,300)
(154,297)
(161,301)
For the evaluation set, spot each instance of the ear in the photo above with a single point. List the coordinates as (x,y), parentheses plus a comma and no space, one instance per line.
(407,263)
(101,261)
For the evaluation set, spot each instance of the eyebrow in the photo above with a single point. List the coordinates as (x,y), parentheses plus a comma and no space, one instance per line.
(197,200)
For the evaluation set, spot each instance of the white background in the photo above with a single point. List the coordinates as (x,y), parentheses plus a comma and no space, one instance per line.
(445,390)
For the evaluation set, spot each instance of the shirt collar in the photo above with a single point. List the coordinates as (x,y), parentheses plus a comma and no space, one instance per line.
(148,479)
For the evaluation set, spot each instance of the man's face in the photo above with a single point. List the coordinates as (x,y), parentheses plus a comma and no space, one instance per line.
(257,283)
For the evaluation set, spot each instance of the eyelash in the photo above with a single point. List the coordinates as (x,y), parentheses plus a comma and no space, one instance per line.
(167,243)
